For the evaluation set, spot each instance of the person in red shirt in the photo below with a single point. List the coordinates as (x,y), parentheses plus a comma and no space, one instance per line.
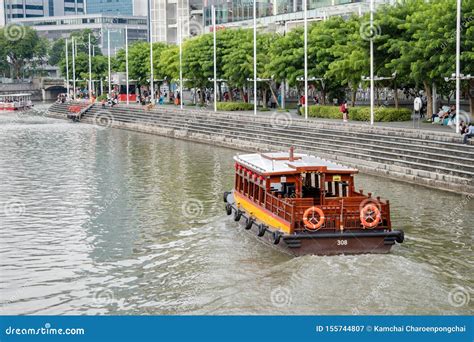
(301,103)
(344,109)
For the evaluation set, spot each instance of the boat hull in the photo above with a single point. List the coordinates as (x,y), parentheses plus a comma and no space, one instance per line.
(320,242)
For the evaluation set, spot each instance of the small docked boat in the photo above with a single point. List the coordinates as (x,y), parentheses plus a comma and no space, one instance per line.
(303,204)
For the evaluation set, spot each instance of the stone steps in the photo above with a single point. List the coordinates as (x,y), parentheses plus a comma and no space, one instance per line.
(220,125)
(444,141)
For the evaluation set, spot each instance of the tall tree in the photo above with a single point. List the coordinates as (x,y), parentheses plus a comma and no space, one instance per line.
(351,55)
(23,49)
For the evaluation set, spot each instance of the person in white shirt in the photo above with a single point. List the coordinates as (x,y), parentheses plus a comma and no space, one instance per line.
(469,134)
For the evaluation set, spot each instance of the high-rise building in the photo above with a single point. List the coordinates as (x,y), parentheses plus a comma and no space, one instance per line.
(19,9)
(279,15)
(118,7)
(103,26)
(2,13)
(171,18)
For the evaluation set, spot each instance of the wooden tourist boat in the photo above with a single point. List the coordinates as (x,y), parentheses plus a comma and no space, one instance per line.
(10,102)
(307,205)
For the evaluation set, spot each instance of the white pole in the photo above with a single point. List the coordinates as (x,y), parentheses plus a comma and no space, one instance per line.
(458,63)
(90,69)
(73,68)
(255,57)
(305,10)
(372,90)
(283,94)
(108,53)
(152,71)
(126,61)
(67,71)
(215,57)
(180,62)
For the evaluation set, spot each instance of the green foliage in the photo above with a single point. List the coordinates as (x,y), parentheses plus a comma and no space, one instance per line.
(414,38)
(382,114)
(234,106)
(57,52)
(327,112)
(287,57)
(21,49)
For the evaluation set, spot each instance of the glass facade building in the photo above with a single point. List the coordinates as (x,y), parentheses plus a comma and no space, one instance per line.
(20,9)
(241,10)
(112,7)
(61,27)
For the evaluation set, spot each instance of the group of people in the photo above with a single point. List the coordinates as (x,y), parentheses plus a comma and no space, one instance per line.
(445,116)
(467,130)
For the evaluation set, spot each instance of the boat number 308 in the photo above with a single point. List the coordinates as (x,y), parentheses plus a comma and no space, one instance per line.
(342,242)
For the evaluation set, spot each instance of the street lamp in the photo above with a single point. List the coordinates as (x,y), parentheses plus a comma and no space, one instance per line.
(305,11)
(458,61)
(255,57)
(372,80)
(215,54)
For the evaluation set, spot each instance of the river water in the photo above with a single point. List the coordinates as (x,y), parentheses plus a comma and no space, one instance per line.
(107,221)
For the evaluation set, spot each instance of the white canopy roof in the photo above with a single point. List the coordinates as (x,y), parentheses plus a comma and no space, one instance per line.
(278,162)
(15,95)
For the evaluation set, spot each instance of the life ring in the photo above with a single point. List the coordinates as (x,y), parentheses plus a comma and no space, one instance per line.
(226,193)
(309,222)
(370,216)
(261,230)
(237,215)
(249,224)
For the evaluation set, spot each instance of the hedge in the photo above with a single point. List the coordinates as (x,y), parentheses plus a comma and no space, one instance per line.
(233,106)
(382,114)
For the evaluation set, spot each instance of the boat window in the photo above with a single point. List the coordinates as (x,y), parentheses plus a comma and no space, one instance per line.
(311,185)
(337,189)
(283,189)
(275,186)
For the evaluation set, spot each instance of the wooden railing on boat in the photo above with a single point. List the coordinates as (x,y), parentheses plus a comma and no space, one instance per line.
(339,212)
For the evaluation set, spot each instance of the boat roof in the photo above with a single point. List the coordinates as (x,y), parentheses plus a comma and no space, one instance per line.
(21,94)
(280,163)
